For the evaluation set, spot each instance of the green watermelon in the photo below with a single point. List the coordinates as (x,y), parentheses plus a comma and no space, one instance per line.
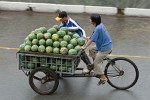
(52,30)
(72,52)
(35,42)
(47,35)
(34,48)
(35,59)
(42,42)
(75,36)
(27,48)
(56,27)
(21,47)
(64,29)
(73,42)
(70,46)
(28,42)
(40,36)
(30,65)
(43,29)
(56,44)
(31,36)
(56,50)
(55,37)
(63,43)
(61,33)
(49,42)
(78,48)
(70,34)
(81,41)
(41,48)
(63,68)
(67,38)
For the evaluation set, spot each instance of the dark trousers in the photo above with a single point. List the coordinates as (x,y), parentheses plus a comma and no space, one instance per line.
(86,60)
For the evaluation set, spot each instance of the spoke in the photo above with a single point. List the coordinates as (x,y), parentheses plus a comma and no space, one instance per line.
(35,77)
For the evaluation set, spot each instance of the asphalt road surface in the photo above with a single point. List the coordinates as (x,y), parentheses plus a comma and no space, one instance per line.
(131,38)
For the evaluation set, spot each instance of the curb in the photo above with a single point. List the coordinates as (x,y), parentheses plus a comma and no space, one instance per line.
(137,12)
(46,7)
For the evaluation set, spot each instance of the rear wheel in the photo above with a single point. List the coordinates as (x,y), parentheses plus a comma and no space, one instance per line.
(43,81)
(122,73)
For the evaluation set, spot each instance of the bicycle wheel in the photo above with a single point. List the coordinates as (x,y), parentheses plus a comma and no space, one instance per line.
(122,73)
(43,81)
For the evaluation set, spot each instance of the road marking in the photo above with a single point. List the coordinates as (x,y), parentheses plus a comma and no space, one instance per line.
(8,48)
(111,55)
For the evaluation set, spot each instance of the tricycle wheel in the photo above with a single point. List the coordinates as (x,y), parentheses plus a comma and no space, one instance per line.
(43,81)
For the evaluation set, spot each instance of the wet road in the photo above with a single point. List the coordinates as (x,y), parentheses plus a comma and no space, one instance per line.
(130,37)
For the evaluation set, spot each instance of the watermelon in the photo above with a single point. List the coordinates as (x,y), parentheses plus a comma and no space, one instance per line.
(49,49)
(21,47)
(35,59)
(35,42)
(63,43)
(63,50)
(61,33)
(78,48)
(75,36)
(70,46)
(73,42)
(52,30)
(42,42)
(72,52)
(47,35)
(28,42)
(31,36)
(27,48)
(56,27)
(67,38)
(63,68)
(64,29)
(34,48)
(43,29)
(40,36)
(49,42)
(53,67)
(30,65)
(56,44)
(56,50)
(41,48)
(81,41)
(70,34)
(55,37)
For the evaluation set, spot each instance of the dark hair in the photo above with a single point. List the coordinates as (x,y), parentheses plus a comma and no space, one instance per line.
(96,18)
(62,14)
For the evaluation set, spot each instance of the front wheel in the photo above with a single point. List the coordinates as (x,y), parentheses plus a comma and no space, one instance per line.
(122,73)
(43,81)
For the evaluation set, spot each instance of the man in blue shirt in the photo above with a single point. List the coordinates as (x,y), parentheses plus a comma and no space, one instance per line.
(66,21)
(103,46)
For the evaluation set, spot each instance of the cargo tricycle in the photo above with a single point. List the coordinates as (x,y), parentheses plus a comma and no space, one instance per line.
(45,70)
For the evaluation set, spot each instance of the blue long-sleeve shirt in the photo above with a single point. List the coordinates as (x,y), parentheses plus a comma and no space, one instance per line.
(73,23)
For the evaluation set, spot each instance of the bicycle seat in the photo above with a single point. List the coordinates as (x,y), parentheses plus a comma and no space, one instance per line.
(106,56)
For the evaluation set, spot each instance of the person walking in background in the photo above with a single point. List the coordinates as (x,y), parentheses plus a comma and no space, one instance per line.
(103,47)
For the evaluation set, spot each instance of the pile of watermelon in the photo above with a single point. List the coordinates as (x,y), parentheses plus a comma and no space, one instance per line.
(53,40)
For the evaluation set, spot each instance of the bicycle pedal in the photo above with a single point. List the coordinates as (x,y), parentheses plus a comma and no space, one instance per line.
(101,82)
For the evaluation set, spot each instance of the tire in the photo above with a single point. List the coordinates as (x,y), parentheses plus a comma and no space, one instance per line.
(43,81)
(122,73)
